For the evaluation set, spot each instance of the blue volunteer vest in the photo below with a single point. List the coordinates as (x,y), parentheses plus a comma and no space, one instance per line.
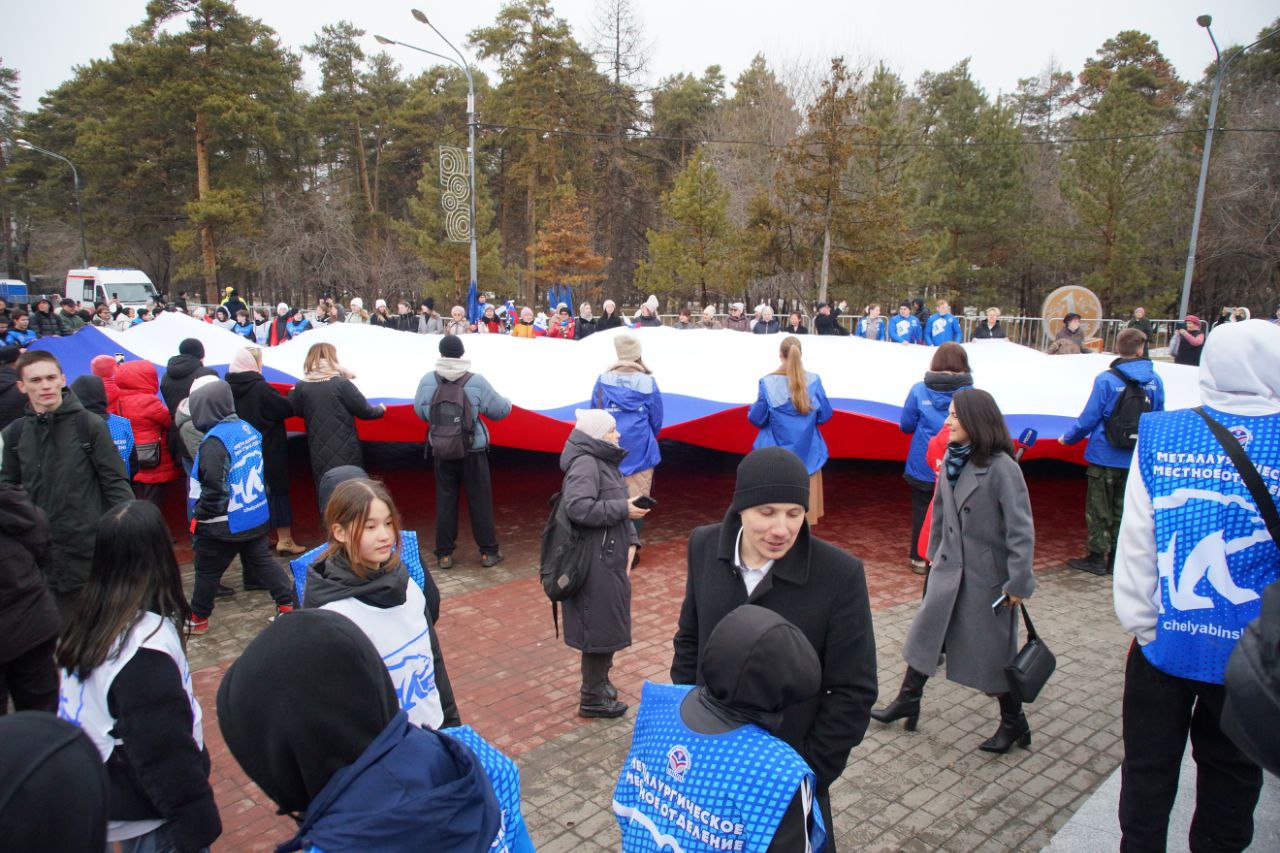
(122,436)
(1213,553)
(681,790)
(408,553)
(247,504)
(504,776)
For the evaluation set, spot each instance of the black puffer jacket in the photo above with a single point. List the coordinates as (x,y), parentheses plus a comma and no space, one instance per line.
(330,408)
(179,373)
(582,327)
(598,617)
(265,409)
(12,401)
(27,611)
(73,486)
(47,325)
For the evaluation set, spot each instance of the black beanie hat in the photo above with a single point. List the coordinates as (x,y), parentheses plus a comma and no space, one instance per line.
(9,354)
(771,475)
(191,346)
(451,346)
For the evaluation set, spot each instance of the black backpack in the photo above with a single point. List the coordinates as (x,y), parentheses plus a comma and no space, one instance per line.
(1121,428)
(452,430)
(564,559)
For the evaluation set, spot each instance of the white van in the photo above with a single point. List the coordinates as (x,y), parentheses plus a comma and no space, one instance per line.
(99,284)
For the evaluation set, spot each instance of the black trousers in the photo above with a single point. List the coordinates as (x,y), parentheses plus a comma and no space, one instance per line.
(31,679)
(1159,712)
(453,476)
(212,556)
(920,500)
(152,493)
(595,675)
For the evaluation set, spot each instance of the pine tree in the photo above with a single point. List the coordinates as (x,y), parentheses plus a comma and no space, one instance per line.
(700,252)
(563,245)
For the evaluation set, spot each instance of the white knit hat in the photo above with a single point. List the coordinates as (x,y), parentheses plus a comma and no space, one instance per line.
(651,303)
(357,303)
(282,309)
(380,303)
(595,423)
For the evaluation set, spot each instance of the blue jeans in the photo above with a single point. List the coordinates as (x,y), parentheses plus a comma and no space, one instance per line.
(155,841)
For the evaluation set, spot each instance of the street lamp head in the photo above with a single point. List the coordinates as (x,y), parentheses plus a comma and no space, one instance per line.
(1205,21)
(382,40)
(420,16)
(22,143)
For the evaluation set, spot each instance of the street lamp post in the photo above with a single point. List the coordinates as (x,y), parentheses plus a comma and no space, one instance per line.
(1206,21)
(461,62)
(75,183)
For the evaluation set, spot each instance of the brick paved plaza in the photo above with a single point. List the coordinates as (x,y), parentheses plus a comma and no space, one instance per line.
(517,684)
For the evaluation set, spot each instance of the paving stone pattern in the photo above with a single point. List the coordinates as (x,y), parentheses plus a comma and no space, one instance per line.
(928,790)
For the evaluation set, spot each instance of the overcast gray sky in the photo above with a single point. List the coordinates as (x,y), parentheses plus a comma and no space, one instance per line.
(1006,39)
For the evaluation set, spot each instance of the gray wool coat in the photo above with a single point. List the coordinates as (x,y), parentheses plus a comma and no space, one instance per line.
(980,544)
(597,618)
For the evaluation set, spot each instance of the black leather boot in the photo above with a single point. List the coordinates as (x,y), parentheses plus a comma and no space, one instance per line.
(594,699)
(1013,728)
(908,702)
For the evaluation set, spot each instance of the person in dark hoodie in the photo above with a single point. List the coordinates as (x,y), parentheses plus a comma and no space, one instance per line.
(311,714)
(91,391)
(44,322)
(265,409)
(755,665)
(1108,469)
(923,414)
(361,576)
(12,401)
(228,462)
(27,611)
(409,551)
(126,682)
(64,457)
(1251,684)
(763,553)
(179,373)
(597,619)
(53,789)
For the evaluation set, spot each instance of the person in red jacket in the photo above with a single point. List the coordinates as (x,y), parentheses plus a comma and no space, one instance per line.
(104,366)
(936,449)
(149,417)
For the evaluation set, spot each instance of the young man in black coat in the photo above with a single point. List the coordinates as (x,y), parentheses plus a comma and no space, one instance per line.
(27,671)
(763,554)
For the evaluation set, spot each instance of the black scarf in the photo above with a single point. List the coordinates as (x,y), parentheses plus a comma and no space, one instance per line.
(957,458)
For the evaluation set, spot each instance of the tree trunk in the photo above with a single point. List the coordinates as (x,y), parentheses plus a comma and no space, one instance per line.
(362,171)
(826,263)
(208,256)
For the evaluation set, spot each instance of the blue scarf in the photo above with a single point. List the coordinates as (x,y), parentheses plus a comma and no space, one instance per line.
(957,458)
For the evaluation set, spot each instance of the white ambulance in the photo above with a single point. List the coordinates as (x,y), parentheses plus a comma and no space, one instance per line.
(98,284)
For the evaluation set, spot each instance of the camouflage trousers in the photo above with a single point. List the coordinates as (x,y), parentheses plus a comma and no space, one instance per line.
(1103,505)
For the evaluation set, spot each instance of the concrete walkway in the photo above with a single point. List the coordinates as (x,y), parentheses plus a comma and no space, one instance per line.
(1095,826)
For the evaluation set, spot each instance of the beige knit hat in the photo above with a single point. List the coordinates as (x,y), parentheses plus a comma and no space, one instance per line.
(627,347)
(594,422)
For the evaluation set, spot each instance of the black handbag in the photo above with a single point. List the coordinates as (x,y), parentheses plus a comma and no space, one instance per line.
(148,454)
(1032,667)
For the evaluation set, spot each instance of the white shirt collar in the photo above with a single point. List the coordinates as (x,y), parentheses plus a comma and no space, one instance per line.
(750,577)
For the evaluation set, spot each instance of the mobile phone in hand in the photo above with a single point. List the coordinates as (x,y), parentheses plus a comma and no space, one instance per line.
(1003,599)
(645,502)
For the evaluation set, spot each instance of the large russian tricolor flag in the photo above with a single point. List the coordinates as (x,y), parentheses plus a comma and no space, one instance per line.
(707,379)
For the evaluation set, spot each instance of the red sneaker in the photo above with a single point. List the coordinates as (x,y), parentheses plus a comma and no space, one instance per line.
(282,609)
(199,624)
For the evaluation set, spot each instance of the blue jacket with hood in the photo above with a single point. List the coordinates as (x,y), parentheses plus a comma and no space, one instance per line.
(781,425)
(1107,390)
(904,330)
(635,402)
(923,415)
(412,789)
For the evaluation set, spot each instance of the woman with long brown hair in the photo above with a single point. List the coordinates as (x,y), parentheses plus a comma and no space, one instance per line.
(788,410)
(362,576)
(127,684)
(329,402)
(981,547)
